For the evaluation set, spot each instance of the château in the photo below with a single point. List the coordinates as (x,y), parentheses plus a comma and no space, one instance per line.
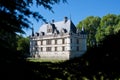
(58,40)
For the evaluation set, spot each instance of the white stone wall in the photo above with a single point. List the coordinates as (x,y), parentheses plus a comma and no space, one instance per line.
(70,49)
(55,55)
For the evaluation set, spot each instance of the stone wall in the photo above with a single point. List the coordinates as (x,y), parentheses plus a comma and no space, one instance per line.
(72,48)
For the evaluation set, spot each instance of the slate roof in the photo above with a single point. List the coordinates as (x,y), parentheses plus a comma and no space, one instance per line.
(66,26)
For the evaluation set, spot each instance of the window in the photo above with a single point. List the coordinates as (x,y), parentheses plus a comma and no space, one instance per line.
(36,49)
(41,42)
(77,48)
(77,41)
(62,33)
(49,29)
(55,34)
(55,48)
(48,42)
(63,41)
(70,40)
(63,48)
(41,49)
(48,49)
(56,41)
(35,43)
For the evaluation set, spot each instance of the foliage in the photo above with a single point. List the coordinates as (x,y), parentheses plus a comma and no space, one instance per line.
(15,15)
(107,26)
(90,25)
(23,44)
(98,28)
(117,28)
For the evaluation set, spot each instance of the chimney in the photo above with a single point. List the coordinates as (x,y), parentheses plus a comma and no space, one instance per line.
(65,19)
(53,20)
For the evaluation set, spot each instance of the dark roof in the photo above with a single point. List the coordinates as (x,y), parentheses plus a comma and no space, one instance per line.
(68,26)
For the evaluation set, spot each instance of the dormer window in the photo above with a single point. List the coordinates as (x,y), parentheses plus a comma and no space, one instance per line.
(63,31)
(42,34)
(49,29)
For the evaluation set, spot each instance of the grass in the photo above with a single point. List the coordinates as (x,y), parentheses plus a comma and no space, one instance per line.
(44,60)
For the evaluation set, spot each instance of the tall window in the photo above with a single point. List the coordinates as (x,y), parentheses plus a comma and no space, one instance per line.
(77,48)
(41,42)
(49,29)
(77,41)
(55,41)
(48,42)
(63,48)
(35,43)
(48,49)
(55,48)
(36,49)
(63,41)
(41,49)
(70,40)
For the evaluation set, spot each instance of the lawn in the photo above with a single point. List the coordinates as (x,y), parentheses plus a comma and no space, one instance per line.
(44,60)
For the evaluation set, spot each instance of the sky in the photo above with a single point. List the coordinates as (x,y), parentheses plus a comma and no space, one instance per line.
(76,10)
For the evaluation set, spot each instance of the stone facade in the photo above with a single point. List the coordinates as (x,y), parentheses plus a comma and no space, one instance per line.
(58,40)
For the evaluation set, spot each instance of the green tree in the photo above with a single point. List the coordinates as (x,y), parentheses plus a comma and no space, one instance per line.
(15,15)
(23,45)
(117,28)
(90,25)
(108,26)
(99,34)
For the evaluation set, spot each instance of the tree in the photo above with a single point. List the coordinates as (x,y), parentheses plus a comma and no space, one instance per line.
(109,25)
(14,16)
(90,25)
(23,45)
(117,28)
(97,28)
